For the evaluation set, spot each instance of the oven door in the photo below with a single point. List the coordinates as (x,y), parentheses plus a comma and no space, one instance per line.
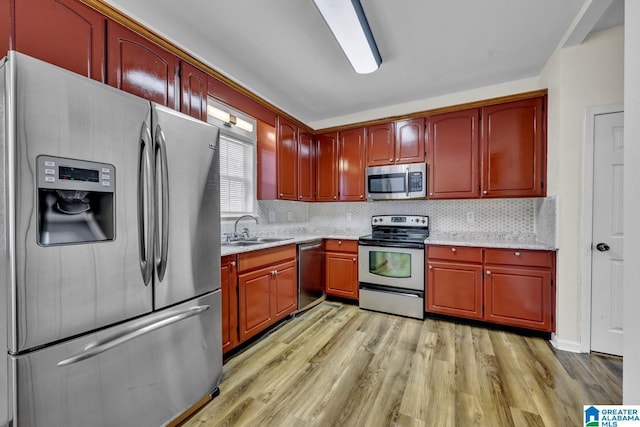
(391,266)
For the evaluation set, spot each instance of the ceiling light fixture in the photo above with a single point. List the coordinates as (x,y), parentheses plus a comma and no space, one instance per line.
(349,26)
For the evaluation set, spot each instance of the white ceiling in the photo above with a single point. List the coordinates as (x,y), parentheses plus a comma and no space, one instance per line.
(283,51)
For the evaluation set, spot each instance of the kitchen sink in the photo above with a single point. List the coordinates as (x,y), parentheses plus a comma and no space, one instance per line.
(257,241)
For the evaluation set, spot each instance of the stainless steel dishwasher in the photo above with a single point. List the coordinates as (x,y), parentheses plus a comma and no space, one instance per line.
(310,274)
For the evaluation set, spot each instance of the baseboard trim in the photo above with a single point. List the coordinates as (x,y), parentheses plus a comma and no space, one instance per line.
(565,345)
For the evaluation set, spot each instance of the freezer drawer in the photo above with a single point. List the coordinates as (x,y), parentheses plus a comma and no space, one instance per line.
(144,381)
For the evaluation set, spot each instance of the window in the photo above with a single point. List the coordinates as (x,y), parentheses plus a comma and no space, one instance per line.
(237,177)
(237,159)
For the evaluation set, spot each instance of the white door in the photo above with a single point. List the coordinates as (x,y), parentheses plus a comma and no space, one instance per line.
(607,248)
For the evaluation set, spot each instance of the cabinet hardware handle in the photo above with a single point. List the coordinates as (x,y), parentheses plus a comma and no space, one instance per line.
(232,263)
(391,160)
(355,259)
(361,196)
(431,194)
(517,253)
(431,267)
(453,249)
(299,197)
(281,194)
(339,242)
(335,197)
(488,272)
(485,192)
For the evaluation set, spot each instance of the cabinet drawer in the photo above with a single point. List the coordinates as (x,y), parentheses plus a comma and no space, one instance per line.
(519,257)
(256,259)
(339,245)
(455,253)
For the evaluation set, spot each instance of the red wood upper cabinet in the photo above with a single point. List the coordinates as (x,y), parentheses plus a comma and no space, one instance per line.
(287,148)
(409,144)
(139,66)
(351,169)
(193,83)
(326,151)
(453,154)
(6,25)
(267,152)
(381,144)
(306,167)
(65,33)
(513,145)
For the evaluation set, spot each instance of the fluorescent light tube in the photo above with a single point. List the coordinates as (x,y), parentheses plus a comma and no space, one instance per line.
(349,26)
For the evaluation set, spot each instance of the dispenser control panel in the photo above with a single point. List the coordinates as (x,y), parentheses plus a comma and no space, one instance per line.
(69,174)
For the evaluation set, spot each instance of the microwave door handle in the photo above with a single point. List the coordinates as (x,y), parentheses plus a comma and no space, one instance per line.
(163,229)
(146,224)
(406,181)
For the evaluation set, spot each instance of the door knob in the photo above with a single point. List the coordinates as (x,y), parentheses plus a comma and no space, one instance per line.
(602,247)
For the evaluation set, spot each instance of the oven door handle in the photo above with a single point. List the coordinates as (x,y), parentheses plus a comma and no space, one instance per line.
(386,244)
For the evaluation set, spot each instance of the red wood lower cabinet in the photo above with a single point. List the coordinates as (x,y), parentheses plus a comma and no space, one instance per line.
(229,288)
(341,268)
(267,288)
(506,286)
(518,296)
(454,289)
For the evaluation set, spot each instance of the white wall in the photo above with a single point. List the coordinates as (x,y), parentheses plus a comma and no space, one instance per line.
(577,77)
(631,379)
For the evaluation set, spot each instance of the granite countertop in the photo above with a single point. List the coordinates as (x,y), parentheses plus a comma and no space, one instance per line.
(487,240)
(490,240)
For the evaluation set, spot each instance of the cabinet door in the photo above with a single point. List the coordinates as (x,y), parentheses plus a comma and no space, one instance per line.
(341,273)
(285,289)
(380,145)
(193,84)
(454,154)
(6,25)
(518,297)
(306,167)
(351,168)
(513,148)
(138,66)
(327,167)
(267,172)
(287,160)
(254,302)
(454,289)
(410,141)
(65,33)
(228,286)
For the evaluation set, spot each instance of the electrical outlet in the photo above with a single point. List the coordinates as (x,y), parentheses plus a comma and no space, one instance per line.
(289,216)
(348,216)
(470,217)
(272,216)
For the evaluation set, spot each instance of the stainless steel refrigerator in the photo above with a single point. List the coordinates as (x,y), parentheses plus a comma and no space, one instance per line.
(109,247)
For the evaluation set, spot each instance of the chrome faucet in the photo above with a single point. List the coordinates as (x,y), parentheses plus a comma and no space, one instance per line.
(245,232)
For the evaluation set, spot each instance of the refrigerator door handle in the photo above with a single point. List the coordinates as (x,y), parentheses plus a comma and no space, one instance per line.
(146,223)
(163,231)
(135,331)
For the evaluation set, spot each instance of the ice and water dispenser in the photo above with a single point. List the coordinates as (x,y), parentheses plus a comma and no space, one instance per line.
(76,202)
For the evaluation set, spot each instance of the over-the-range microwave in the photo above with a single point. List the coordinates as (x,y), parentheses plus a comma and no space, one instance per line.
(397,182)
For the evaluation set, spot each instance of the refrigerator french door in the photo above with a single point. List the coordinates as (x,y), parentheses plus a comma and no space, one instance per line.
(110,238)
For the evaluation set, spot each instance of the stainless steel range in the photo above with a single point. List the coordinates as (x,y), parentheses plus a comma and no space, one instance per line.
(391,265)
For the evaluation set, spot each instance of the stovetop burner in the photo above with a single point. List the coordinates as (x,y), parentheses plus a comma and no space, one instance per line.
(398,228)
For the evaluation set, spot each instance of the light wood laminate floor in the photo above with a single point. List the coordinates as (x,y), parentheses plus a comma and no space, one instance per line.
(337,365)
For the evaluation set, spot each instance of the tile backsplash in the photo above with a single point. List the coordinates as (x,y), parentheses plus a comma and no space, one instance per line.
(534,217)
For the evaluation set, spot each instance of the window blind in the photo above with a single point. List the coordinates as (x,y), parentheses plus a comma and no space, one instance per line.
(237,176)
